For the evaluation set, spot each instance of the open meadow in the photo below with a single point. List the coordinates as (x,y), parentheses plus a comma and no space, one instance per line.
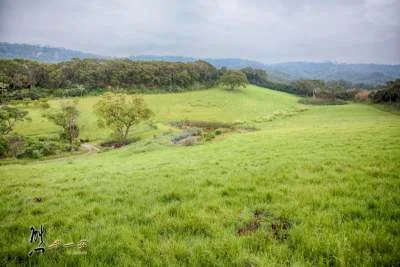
(298,186)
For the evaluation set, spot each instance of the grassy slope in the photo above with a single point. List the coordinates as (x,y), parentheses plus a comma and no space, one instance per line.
(333,171)
(215,105)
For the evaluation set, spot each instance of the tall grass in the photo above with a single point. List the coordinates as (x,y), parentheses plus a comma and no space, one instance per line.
(318,188)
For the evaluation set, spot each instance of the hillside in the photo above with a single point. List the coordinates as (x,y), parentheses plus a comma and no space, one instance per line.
(232,63)
(208,105)
(355,73)
(374,74)
(40,53)
(304,186)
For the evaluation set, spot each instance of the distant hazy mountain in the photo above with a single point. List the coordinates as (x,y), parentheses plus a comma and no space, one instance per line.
(283,72)
(356,73)
(162,58)
(217,62)
(41,53)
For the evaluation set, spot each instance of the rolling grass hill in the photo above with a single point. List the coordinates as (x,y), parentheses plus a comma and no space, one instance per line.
(312,186)
(208,105)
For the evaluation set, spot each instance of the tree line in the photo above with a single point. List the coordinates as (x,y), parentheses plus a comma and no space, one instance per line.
(31,79)
(21,79)
(389,94)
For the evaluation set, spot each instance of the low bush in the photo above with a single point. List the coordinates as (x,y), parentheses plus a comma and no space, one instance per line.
(176,139)
(319,101)
(208,125)
(23,147)
(73,92)
(31,94)
(84,140)
(118,143)
(27,102)
(194,131)
(208,136)
(41,103)
(3,147)
(35,148)
(189,132)
(348,94)
(15,145)
(190,141)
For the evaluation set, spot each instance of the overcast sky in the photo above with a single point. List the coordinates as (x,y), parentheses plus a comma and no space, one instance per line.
(354,31)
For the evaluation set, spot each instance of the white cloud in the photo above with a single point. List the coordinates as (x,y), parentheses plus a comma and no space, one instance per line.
(269,31)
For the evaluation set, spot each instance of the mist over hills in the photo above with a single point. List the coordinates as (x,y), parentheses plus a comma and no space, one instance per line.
(41,53)
(284,72)
(356,73)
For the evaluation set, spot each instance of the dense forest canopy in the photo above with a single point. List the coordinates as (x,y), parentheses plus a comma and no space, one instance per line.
(99,73)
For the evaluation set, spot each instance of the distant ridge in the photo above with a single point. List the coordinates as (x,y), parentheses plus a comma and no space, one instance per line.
(356,73)
(40,53)
(283,72)
(217,62)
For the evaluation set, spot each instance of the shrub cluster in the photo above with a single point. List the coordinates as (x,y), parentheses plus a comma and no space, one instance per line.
(192,135)
(202,124)
(118,143)
(187,135)
(23,147)
(389,94)
(27,102)
(320,101)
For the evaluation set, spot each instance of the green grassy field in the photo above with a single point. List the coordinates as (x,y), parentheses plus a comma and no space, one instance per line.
(211,105)
(316,187)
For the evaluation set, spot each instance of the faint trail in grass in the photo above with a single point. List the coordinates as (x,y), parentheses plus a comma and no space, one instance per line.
(90,148)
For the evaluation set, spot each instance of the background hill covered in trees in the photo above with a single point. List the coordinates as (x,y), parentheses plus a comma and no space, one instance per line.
(21,78)
(374,74)
(40,53)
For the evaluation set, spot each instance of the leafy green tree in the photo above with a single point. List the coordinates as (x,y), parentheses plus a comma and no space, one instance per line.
(120,112)
(335,87)
(9,117)
(81,89)
(390,93)
(3,91)
(233,79)
(309,87)
(67,118)
(255,76)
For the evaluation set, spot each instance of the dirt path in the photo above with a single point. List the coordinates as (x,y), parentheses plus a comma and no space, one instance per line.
(90,148)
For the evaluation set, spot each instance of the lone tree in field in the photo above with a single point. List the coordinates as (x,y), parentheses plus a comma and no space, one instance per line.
(67,118)
(233,79)
(120,112)
(8,117)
